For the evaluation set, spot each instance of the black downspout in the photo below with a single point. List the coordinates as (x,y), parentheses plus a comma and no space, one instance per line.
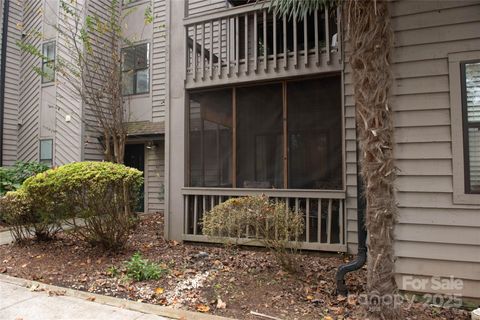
(3,70)
(362,236)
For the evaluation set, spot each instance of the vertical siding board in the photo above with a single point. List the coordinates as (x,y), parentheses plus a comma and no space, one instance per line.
(12,83)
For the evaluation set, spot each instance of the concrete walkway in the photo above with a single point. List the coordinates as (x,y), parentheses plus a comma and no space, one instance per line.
(5,237)
(18,302)
(22,299)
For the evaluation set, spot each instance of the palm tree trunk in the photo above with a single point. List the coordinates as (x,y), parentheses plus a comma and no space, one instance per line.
(371,39)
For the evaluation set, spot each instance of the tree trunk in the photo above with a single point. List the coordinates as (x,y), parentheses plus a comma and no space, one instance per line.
(371,39)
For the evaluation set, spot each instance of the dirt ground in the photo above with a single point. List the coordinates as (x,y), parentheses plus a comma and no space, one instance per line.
(230,282)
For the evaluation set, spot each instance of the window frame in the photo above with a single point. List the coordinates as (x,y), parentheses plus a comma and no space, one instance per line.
(42,160)
(136,70)
(466,126)
(47,61)
(461,194)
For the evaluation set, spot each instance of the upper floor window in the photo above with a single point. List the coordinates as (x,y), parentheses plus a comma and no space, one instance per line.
(46,152)
(135,69)
(48,62)
(470,77)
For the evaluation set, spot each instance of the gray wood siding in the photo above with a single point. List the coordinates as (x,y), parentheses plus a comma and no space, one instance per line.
(434,235)
(159,60)
(204,6)
(155,177)
(12,82)
(92,150)
(30,86)
(350,160)
(68,135)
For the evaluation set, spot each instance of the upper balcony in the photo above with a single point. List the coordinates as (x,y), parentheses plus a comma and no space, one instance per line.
(251,43)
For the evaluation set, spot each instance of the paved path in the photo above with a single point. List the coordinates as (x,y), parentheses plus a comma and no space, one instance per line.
(17,302)
(5,237)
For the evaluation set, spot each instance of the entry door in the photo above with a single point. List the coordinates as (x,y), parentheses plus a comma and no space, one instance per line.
(135,158)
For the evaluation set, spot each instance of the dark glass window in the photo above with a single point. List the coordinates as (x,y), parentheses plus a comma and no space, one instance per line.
(471,120)
(211,126)
(135,69)
(46,152)
(48,62)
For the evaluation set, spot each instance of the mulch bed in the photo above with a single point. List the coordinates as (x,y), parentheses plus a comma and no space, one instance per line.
(230,282)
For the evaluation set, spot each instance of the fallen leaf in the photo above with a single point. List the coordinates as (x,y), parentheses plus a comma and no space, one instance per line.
(91,299)
(341,298)
(52,293)
(221,304)
(24,265)
(309,297)
(34,287)
(159,290)
(202,308)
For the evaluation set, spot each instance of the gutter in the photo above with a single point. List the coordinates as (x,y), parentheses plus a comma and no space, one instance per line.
(3,69)
(361,258)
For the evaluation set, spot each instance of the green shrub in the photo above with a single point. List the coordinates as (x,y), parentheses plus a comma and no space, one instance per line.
(11,178)
(140,269)
(96,198)
(25,223)
(271,223)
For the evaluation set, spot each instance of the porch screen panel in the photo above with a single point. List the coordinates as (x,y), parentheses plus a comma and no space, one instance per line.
(472,125)
(259,136)
(211,139)
(315,133)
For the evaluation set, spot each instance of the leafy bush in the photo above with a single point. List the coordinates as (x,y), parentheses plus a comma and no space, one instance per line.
(97,198)
(25,223)
(140,269)
(272,223)
(11,178)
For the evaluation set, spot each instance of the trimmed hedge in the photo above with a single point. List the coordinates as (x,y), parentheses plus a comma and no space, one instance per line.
(96,198)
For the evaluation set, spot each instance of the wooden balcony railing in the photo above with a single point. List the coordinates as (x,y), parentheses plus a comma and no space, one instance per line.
(251,42)
(323,213)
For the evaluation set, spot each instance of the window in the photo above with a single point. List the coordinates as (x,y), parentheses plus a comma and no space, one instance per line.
(464,81)
(48,62)
(470,77)
(135,69)
(281,135)
(46,152)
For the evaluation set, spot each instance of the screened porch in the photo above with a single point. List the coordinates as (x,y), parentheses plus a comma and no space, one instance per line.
(283,139)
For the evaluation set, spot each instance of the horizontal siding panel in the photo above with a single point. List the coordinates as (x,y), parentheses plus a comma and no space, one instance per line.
(424,184)
(429,200)
(422,118)
(422,134)
(419,167)
(431,51)
(469,287)
(439,216)
(426,267)
(410,7)
(444,33)
(463,12)
(434,150)
(425,101)
(416,69)
(437,251)
(439,234)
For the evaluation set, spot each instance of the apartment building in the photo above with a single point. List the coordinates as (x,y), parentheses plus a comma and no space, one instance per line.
(231,100)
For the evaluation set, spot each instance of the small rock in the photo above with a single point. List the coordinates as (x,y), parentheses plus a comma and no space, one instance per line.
(201,255)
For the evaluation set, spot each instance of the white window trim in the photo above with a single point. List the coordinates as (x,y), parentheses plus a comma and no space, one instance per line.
(456,113)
